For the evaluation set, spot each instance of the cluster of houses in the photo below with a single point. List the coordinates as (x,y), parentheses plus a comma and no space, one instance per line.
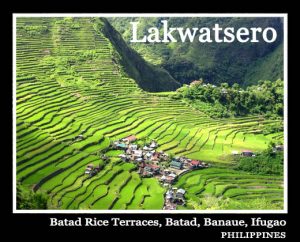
(174,197)
(91,170)
(149,160)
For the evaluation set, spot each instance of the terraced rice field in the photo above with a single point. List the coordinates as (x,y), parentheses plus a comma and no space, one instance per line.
(231,184)
(69,82)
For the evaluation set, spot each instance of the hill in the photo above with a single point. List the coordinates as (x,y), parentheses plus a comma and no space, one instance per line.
(74,99)
(243,63)
(149,77)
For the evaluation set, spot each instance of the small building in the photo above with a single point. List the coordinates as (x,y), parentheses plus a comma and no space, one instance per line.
(155,156)
(247,153)
(97,168)
(128,151)
(133,146)
(195,83)
(176,164)
(147,148)
(194,164)
(92,173)
(180,193)
(130,139)
(169,195)
(169,207)
(172,175)
(147,174)
(79,137)
(139,160)
(163,156)
(169,179)
(141,164)
(278,148)
(153,144)
(163,178)
(155,169)
(137,153)
(148,155)
(123,157)
(166,172)
(121,146)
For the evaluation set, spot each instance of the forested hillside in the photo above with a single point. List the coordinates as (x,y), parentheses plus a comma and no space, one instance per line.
(243,63)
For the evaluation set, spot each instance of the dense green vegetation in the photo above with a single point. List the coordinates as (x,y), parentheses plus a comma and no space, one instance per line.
(266,98)
(71,82)
(27,199)
(149,77)
(214,62)
(267,162)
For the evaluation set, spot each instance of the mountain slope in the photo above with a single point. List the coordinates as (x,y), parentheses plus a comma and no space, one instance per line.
(269,67)
(214,62)
(149,77)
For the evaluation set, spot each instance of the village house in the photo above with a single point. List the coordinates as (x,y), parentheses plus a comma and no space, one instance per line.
(155,156)
(153,144)
(278,148)
(169,195)
(148,155)
(175,196)
(147,148)
(159,156)
(170,178)
(146,171)
(169,206)
(120,145)
(194,164)
(195,82)
(79,137)
(123,157)
(97,168)
(88,170)
(155,169)
(91,170)
(129,139)
(137,154)
(139,160)
(133,146)
(247,153)
(176,164)
(180,193)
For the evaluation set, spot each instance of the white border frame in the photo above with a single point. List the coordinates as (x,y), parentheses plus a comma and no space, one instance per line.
(285,49)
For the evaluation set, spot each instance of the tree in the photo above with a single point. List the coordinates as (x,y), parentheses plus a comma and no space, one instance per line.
(27,199)
(224,85)
(236,86)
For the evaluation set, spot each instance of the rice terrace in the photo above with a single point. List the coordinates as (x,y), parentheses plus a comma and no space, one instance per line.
(88,136)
